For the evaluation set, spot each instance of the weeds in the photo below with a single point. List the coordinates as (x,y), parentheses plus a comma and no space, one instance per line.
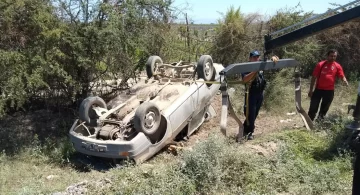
(218,166)
(215,165)
(305,162)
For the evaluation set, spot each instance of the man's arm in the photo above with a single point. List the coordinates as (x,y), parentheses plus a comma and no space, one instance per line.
(312,83)
(341,75)
(345,81)
(249,76)
(313,79)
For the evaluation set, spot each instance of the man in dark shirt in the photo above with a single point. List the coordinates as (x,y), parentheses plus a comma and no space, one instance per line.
(255,96)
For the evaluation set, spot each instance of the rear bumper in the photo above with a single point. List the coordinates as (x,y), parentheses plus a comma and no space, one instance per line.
(109,148)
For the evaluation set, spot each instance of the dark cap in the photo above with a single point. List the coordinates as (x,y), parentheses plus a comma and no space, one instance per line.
(254,53)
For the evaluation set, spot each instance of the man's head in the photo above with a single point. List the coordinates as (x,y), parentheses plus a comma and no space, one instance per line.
(254,56)
(331,55)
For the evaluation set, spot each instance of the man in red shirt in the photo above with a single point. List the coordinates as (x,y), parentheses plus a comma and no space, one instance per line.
(324,74)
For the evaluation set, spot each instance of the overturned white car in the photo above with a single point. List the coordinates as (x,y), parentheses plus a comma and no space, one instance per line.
(139,123)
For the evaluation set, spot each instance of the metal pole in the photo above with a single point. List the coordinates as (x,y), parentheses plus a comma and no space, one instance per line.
(356,179)
(355,125)
(305,117)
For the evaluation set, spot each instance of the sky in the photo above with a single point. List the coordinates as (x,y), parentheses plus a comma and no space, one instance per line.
(207,11)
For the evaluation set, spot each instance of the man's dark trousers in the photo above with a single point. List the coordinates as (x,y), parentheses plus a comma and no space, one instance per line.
(326,97)
(255,101)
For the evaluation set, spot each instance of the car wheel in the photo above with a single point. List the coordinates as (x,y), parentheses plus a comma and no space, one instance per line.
(152,65)
(205,68)
(147,118)
(86,113)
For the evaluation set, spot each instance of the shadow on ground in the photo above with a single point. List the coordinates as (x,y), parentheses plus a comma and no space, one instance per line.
(84,163)
(20,130)
(48,130)
(342,140)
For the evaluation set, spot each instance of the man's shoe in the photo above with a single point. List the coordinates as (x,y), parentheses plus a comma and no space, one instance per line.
(250,136)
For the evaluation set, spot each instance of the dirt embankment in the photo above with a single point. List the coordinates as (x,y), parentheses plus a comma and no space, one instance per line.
(265,123)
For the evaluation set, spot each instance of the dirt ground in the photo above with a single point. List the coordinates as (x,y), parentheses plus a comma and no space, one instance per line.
(264,124)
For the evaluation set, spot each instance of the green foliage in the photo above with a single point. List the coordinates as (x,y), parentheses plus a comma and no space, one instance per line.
(51,53)
(306,51)
(304,167)
(24,65)
(54,55)
(230,42)
(205,164)
(289,161)
(345,39)
(153,179)
(57,53)
(277,93)
(217,165)
(186,42)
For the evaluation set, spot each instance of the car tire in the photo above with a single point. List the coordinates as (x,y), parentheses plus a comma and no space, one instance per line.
(86,113)
(147,119)
(205,69)
(152,65)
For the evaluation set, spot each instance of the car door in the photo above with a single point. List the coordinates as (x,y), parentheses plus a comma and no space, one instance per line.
(201,97)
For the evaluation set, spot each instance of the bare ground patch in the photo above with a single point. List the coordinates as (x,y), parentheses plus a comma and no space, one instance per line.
(266,149)
(264,124)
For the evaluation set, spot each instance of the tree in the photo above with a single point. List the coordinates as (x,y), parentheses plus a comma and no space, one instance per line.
(231,39)
(306,51)
(346,39)
(29,32)
(55,51)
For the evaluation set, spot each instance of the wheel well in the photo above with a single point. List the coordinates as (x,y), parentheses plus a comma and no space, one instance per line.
(183,133)
(161,132)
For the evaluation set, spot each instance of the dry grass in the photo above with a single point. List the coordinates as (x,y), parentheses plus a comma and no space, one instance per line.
(286,162)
